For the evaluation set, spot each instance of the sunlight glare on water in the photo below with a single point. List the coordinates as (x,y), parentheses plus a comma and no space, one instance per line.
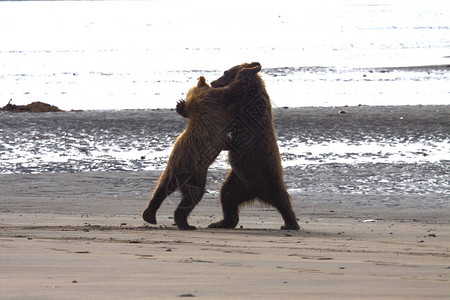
(146,54)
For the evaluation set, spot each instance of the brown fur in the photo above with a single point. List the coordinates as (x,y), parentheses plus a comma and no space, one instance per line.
(210,111)
(254,155)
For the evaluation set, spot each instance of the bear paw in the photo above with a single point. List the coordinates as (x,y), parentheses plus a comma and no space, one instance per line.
(222,224)
(294,226)
(181,108)
(149,216)
(186,227)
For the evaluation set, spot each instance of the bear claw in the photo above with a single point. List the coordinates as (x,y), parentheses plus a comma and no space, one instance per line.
(181,108)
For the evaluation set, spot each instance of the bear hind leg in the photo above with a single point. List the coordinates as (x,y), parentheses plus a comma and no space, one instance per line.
(232,194)
(192,193)
(282,202)
(162,191)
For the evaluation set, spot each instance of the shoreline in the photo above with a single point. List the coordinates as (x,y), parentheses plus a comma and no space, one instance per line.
(274,107)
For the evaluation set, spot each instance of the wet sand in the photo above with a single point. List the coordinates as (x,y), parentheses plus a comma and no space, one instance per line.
(72,236)
(372,231)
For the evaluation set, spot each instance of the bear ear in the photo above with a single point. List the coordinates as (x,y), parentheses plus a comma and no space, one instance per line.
(248,72)
(201,82)
(254,65)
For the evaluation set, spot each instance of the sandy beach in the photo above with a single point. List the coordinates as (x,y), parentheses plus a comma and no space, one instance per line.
(80,236)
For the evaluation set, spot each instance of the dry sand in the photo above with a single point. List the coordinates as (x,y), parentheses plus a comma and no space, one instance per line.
(80,236)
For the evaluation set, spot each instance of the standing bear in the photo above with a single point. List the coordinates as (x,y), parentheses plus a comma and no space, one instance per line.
(210,111)
(256,172)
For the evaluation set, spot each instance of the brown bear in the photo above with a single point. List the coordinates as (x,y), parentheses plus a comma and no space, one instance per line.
(210,111)
(253,150)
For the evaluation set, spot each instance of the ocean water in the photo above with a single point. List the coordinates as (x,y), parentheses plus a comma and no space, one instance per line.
(147,54)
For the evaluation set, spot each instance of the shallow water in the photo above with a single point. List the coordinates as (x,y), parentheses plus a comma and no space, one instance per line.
(142,139)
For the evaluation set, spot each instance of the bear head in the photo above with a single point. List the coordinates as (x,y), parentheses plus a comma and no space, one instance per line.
(230,74)
(192,98)
(201,105)
(198,99)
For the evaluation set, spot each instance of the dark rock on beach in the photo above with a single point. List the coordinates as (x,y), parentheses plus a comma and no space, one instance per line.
(34,107)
